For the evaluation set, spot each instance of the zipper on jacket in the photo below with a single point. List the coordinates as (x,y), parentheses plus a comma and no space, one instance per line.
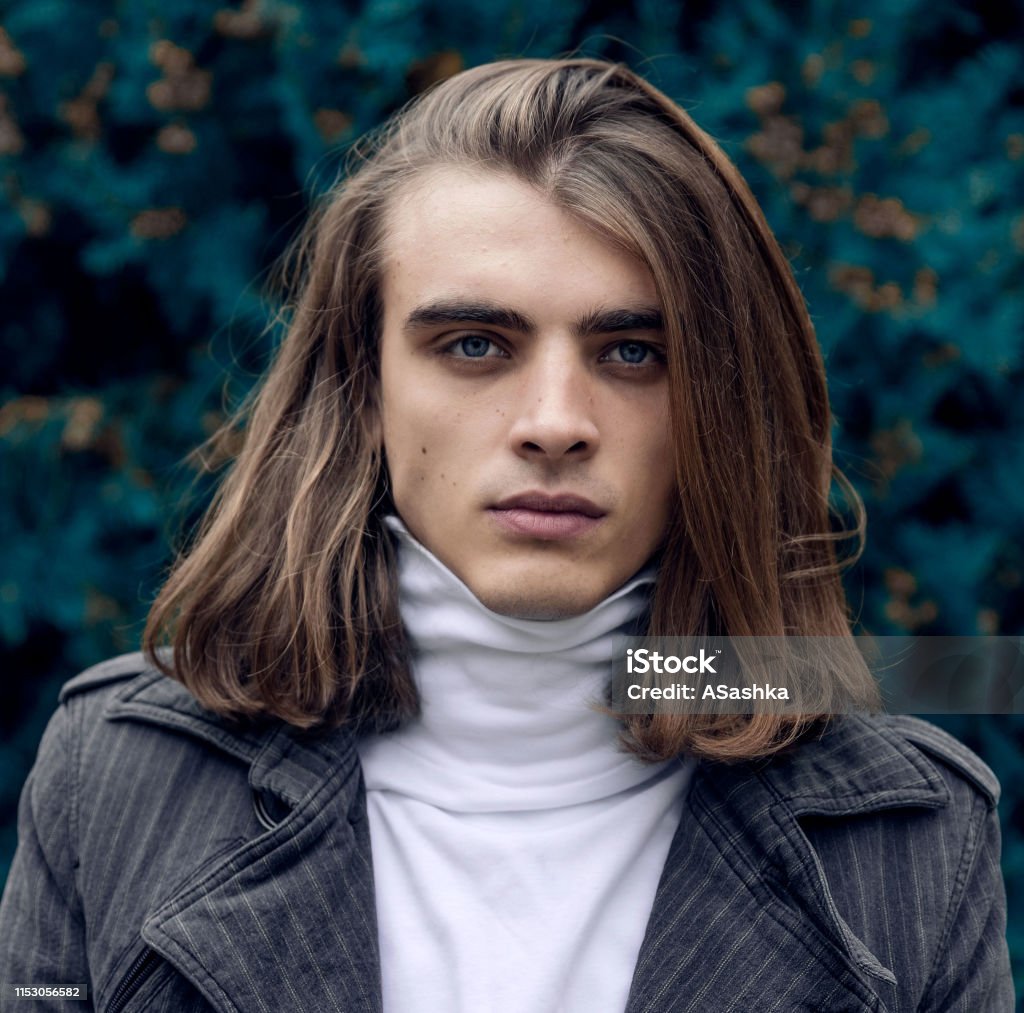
(142,967)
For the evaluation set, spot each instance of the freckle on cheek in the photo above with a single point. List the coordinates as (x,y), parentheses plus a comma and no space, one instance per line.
(423,450)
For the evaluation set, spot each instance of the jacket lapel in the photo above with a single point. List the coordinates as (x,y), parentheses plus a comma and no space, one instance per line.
(743,911)
(286,920)
(743,917)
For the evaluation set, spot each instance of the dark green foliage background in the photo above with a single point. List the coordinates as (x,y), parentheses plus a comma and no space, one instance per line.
(155,159)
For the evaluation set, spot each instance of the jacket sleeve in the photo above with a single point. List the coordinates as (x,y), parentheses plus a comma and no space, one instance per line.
(42,938)
(972,972)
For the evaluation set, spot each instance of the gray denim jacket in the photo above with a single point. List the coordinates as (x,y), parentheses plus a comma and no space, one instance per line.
(177,862)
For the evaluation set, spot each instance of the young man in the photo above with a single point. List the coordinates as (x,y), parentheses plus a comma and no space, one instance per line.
(548,380)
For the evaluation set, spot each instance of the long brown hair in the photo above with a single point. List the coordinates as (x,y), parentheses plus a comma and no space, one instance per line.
(285,602)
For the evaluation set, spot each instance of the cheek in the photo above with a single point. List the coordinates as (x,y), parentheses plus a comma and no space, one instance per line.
(653,478)
(405,428)
(420,448)
(409,460)
(641,433)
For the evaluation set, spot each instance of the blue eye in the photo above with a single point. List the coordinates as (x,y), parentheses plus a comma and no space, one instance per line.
(635,353)
(473,347)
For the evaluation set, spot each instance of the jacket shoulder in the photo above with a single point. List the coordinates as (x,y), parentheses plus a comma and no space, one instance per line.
(130,690)
(124,666)
(870,762)
(950,752)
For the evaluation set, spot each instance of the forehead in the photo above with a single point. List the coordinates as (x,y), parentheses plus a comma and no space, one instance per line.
(464,231)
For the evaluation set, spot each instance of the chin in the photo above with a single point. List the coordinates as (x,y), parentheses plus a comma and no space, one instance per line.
(539,601)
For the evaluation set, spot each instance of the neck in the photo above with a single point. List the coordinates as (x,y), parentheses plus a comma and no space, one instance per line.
(510,712)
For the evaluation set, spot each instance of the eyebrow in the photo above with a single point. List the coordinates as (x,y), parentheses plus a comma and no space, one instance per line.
(471,311)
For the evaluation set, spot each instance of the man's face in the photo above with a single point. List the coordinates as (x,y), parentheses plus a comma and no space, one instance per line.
(524,394)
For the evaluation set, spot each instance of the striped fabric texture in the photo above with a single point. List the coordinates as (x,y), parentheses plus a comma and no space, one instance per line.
(176,861)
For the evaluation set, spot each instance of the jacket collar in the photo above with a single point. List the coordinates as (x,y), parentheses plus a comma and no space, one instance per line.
(742,884)
(740,853)
(233,919)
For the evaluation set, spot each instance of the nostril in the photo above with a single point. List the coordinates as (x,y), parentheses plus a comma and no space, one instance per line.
(580,446)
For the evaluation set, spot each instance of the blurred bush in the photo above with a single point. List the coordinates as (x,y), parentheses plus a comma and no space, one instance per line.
(155,159)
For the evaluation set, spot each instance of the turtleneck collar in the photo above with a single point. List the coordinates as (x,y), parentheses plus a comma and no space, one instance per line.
(508,721)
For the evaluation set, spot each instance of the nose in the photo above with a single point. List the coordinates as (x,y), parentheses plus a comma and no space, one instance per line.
(555,409)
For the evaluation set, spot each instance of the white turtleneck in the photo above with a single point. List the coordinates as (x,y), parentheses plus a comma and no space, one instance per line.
(516,847)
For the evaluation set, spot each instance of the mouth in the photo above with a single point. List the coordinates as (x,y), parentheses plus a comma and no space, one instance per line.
(547,517)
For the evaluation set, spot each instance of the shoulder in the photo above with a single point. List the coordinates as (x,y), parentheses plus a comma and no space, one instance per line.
(903,791)
(54,778)
(136,789)
(129,703)
(861,762)
(125,735)
(113,670)
(905,830)
(96,775)
(143,765)
(952,755)
(124,722)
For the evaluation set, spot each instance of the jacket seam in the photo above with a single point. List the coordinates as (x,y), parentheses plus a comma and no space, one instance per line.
(74,723)
(179,901)
(266,843)
(847,978)
(940,745)
(169,719)
(783,804)
(202,977)
(119,964)
(64,880)
(968,857)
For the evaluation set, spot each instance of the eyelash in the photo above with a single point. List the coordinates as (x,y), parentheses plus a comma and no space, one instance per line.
(656,357)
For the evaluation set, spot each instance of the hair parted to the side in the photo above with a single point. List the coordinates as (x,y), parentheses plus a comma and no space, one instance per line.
(285,603)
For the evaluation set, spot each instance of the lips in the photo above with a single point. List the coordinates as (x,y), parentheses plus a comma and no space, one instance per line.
(545,503)
(547,517)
